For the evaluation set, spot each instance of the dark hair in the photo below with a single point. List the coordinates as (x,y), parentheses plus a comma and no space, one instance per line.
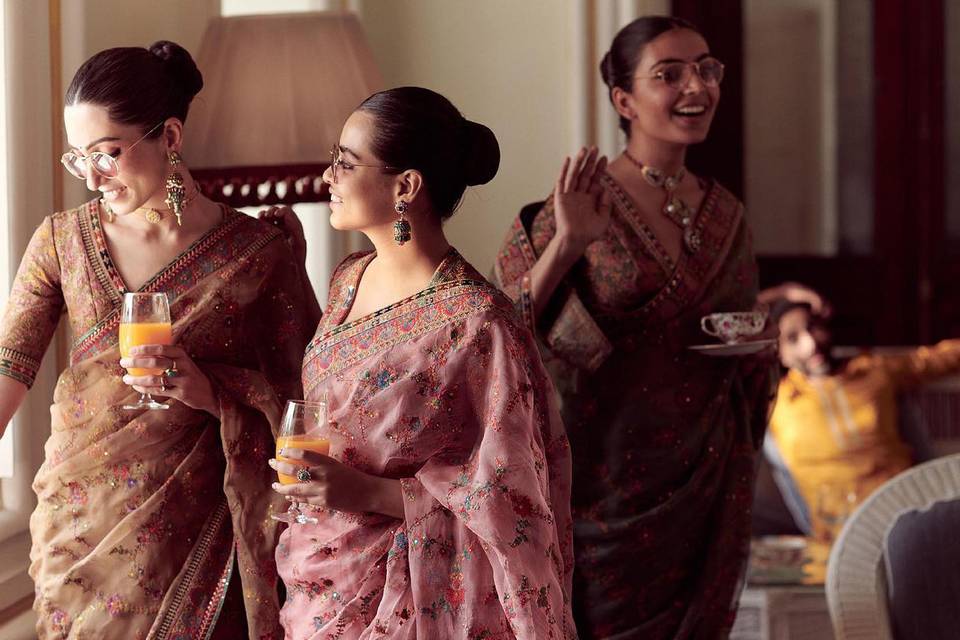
(419,129)
(619,64)
(138,86)
(781,306)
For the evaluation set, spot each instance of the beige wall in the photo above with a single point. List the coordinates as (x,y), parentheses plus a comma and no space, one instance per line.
(504,63)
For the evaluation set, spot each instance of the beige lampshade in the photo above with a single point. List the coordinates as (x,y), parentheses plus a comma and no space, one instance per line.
(277,89)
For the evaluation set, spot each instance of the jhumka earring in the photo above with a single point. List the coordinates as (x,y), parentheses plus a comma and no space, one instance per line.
(176,193)
(401,228)
(107,209)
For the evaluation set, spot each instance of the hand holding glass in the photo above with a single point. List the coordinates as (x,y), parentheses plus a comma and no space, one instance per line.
(144,319)
(304,426)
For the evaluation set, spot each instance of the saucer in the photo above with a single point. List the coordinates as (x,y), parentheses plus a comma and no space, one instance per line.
(735,349)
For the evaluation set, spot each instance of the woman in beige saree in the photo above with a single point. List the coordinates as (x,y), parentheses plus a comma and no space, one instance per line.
(154,524)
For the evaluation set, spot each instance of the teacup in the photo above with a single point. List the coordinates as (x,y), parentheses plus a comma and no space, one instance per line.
(734,326)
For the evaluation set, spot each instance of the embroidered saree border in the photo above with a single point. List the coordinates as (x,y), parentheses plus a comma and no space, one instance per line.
(175,277)
(434,307)
(18,366)
(172,623)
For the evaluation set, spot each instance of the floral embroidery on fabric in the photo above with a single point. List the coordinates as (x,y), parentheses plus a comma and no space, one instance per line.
(444,392)
(148,499)
(664,440)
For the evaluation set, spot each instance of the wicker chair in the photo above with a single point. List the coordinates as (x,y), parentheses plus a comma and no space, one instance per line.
(856,578)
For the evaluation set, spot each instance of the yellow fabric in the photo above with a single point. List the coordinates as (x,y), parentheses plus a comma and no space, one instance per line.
(839,434)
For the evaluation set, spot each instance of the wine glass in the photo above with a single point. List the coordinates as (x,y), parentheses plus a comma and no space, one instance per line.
(144,319)
(304,426)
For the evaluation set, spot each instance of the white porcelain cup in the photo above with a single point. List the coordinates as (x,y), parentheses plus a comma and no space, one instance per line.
(733,327)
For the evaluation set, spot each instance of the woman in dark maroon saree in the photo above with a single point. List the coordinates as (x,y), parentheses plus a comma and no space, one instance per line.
(614,285)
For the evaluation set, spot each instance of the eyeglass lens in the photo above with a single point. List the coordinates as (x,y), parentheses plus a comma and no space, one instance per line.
(678,74)
(103,163)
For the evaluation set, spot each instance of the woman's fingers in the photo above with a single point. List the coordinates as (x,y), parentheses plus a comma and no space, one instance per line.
(311,458)
(562,178)
(570,184)
(272,212)
(298,490)
(146,363)
(291,469)
(585,170)
(170,351)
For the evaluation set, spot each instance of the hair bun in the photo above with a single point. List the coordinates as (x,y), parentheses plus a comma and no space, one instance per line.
(481,153)
(180,66)
(606,70)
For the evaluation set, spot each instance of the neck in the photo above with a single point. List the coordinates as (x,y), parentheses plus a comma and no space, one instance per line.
(666,157)
(199,213)
(423,253)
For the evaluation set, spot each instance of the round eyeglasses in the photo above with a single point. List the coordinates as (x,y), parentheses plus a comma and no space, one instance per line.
(338,164)
(676,75)
(102,162)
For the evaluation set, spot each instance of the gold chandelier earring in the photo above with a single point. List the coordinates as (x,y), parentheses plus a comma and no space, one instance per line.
(401,228)
(176,193)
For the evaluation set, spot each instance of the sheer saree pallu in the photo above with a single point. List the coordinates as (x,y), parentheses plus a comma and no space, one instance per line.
(663,439)
(444,391)
(147,521)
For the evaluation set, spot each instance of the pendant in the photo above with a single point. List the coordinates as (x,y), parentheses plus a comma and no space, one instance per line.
(153,216)
(691,239)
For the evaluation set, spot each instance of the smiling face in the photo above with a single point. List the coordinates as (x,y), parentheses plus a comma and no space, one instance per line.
(362,197)
(678,115)
(143,167)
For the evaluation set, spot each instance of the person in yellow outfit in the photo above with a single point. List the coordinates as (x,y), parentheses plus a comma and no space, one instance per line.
(834,433)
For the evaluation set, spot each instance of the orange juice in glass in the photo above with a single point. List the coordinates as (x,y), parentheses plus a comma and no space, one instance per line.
(320,445)
(144,319)
(304,426)
(134,334)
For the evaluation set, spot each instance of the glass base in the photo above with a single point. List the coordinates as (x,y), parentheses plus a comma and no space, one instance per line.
(293,514)
(149,404)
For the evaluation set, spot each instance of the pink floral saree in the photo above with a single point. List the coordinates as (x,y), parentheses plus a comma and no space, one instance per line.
(663,439)
(155,524)
(446,392)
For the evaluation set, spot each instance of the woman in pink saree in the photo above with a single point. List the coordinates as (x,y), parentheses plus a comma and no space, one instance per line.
(446,514)
(153,524)
(613,273)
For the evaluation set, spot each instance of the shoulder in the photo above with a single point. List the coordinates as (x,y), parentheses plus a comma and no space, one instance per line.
(248,225)
(70,218)
(480,302)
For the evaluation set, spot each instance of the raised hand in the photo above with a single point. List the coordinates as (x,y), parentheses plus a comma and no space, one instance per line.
(581,205)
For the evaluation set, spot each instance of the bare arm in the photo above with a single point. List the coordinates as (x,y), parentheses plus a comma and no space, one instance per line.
(582,210)
(12,394)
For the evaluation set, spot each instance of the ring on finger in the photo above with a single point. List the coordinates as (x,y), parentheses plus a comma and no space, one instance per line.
(303,475)
(171,371)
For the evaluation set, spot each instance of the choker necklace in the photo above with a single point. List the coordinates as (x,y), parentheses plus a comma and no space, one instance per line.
(156,216)
(675,209)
